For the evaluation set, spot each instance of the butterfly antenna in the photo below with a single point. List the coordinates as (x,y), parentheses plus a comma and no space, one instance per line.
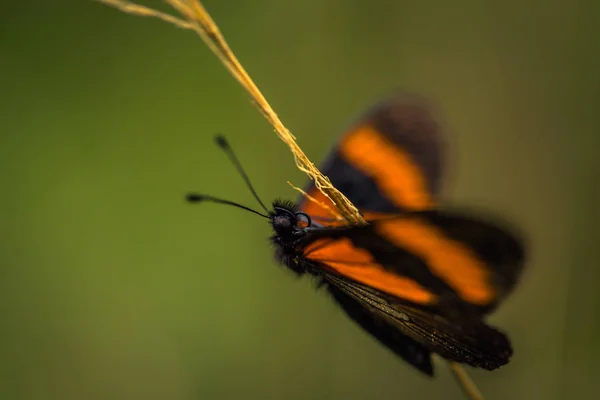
(198,198)
(224,145)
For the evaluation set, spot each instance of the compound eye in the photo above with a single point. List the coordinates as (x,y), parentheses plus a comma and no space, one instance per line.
(304,218)
(282,223)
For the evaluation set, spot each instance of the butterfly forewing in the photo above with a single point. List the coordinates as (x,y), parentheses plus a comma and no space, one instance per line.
(447,261)
(388,160)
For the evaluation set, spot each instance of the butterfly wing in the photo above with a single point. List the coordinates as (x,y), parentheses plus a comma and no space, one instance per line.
(389,160)
(453,262)
(412,332)
(446,270)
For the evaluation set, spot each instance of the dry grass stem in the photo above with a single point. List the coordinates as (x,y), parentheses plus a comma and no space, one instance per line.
(333,212)
(465,382)
(196,18)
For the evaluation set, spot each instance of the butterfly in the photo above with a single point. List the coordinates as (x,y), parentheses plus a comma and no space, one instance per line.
(419,277)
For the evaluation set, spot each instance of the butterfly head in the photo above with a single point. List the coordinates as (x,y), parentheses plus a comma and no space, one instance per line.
(288,223)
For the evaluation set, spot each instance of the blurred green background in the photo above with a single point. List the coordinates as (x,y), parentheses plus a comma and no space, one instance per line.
(113,288)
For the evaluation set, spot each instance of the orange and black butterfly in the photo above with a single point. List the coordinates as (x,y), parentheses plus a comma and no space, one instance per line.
(419,277)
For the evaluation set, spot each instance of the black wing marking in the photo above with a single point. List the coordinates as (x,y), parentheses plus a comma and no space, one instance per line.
(413,332)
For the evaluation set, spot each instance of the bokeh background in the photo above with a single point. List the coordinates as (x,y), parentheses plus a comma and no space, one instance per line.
(112,287)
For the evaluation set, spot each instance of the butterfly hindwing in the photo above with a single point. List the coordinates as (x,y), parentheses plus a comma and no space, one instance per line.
(411,331)
(387,333)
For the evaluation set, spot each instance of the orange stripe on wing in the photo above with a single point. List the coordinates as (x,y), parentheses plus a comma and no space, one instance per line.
(316,211)
(392,169)
(359,265)
(448,259)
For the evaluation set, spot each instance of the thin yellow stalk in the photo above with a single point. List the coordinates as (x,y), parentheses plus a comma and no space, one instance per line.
(465,382)
(196,18)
